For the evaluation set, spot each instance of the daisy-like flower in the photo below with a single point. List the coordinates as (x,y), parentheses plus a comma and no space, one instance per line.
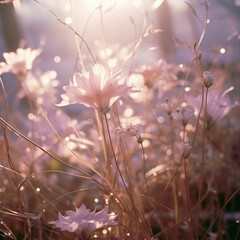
(83,222)
(218,104)
(97,88)
(19,62)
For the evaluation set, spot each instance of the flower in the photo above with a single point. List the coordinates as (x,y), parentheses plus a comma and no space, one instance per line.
(218,104)
(184,114)
(131,131)
(20,62)
(97,89)
(84,222)
(40,88)
(158,71)
(167,106)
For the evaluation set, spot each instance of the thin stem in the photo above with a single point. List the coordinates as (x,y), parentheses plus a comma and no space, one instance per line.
(148,190)
(51,155)
(174,186)
(71,28)
(220,211)
(75,36)
(147,231)
(106,155)
(103,36)
(203,156)
(185,167)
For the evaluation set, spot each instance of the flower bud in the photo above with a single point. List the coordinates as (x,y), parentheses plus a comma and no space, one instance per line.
(186,149)
(207,79)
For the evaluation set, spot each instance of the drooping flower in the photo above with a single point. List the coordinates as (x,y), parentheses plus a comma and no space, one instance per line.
(97,88)
(84,222)
(19,62)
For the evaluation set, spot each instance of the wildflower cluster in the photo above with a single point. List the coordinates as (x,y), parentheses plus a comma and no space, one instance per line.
(145,140)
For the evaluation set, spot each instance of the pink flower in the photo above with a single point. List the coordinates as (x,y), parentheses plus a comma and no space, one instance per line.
(20,62)
(157,71)
(98,89)
(218,104)
(83,222)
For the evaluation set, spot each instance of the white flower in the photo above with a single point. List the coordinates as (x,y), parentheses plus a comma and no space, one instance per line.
(82,221)
(20,62)
(41,88)
(130,131)
(97,89)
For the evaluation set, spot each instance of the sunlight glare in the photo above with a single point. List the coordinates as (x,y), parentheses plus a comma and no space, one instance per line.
(237,2)
(136,3)
(57,59)
(104,231)
(128,112)
(187,89)
(68,20)
(177,5)
(67,7)
(222,50)
(157,4)
(92,4)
